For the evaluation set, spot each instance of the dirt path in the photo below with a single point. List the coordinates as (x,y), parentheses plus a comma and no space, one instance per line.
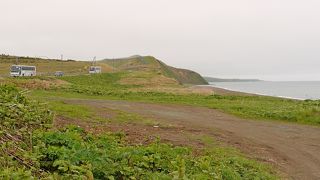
(295,149)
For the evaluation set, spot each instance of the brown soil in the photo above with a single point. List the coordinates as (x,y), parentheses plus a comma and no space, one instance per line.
(139,133)
(294,149)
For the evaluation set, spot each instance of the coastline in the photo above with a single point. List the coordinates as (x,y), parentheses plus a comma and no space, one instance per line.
(260,94)
(226,91)
(223,91)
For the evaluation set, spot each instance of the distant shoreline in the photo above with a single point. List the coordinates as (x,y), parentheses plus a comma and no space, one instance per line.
(217,80)
(225,91)
(260,94)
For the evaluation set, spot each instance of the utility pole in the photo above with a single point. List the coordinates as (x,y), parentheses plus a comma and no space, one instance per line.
(61,63)
(94,61)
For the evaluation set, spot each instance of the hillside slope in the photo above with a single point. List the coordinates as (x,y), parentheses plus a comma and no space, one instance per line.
(151,64)
(144,68)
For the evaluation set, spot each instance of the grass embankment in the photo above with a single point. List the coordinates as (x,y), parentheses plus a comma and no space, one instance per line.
(107,86)
(149,63)
(31,150)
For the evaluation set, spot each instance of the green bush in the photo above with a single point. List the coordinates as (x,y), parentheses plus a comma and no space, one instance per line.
(19,117)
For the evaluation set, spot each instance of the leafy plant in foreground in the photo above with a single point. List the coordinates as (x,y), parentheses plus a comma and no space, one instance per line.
(19,117)
(71,152)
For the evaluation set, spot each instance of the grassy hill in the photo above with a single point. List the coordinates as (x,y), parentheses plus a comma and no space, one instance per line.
(151,64)
(144,70)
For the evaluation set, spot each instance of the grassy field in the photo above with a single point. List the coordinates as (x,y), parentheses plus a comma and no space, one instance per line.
(140,79)
(31,149)
(107,86)
(89,114)
(62,153)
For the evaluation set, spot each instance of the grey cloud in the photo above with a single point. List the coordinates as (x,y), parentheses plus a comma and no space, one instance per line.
(275,39)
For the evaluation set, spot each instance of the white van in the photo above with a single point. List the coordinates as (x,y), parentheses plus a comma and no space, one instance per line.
(95,69)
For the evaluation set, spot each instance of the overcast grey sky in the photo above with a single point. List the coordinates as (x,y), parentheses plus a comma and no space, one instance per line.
(268,39)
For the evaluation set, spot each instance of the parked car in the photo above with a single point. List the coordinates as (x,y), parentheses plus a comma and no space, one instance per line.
(95,69)
(58,73)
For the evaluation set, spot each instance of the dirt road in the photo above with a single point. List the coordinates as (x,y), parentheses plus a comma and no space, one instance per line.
(294,149)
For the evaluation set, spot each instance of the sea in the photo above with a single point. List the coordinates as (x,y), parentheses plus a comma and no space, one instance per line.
(287,89)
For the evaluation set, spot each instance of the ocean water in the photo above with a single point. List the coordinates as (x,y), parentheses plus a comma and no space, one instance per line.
(290,89)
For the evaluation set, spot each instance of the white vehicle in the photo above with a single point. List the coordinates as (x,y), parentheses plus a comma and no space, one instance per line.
(95,69)
(58,74)
(21,70)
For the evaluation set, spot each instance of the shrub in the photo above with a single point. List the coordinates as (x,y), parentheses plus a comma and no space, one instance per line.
(19,117)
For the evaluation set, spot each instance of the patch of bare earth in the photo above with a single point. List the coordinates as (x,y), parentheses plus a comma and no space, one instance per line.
(294,149)
(138,133)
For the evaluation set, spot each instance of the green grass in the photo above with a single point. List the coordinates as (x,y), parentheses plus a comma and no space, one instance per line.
(133,62)
(125,117)
(102,81)
(91,114)
(106,86)
(73,111)
(106,80)
(33,150)
(224,163)
(149,63)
